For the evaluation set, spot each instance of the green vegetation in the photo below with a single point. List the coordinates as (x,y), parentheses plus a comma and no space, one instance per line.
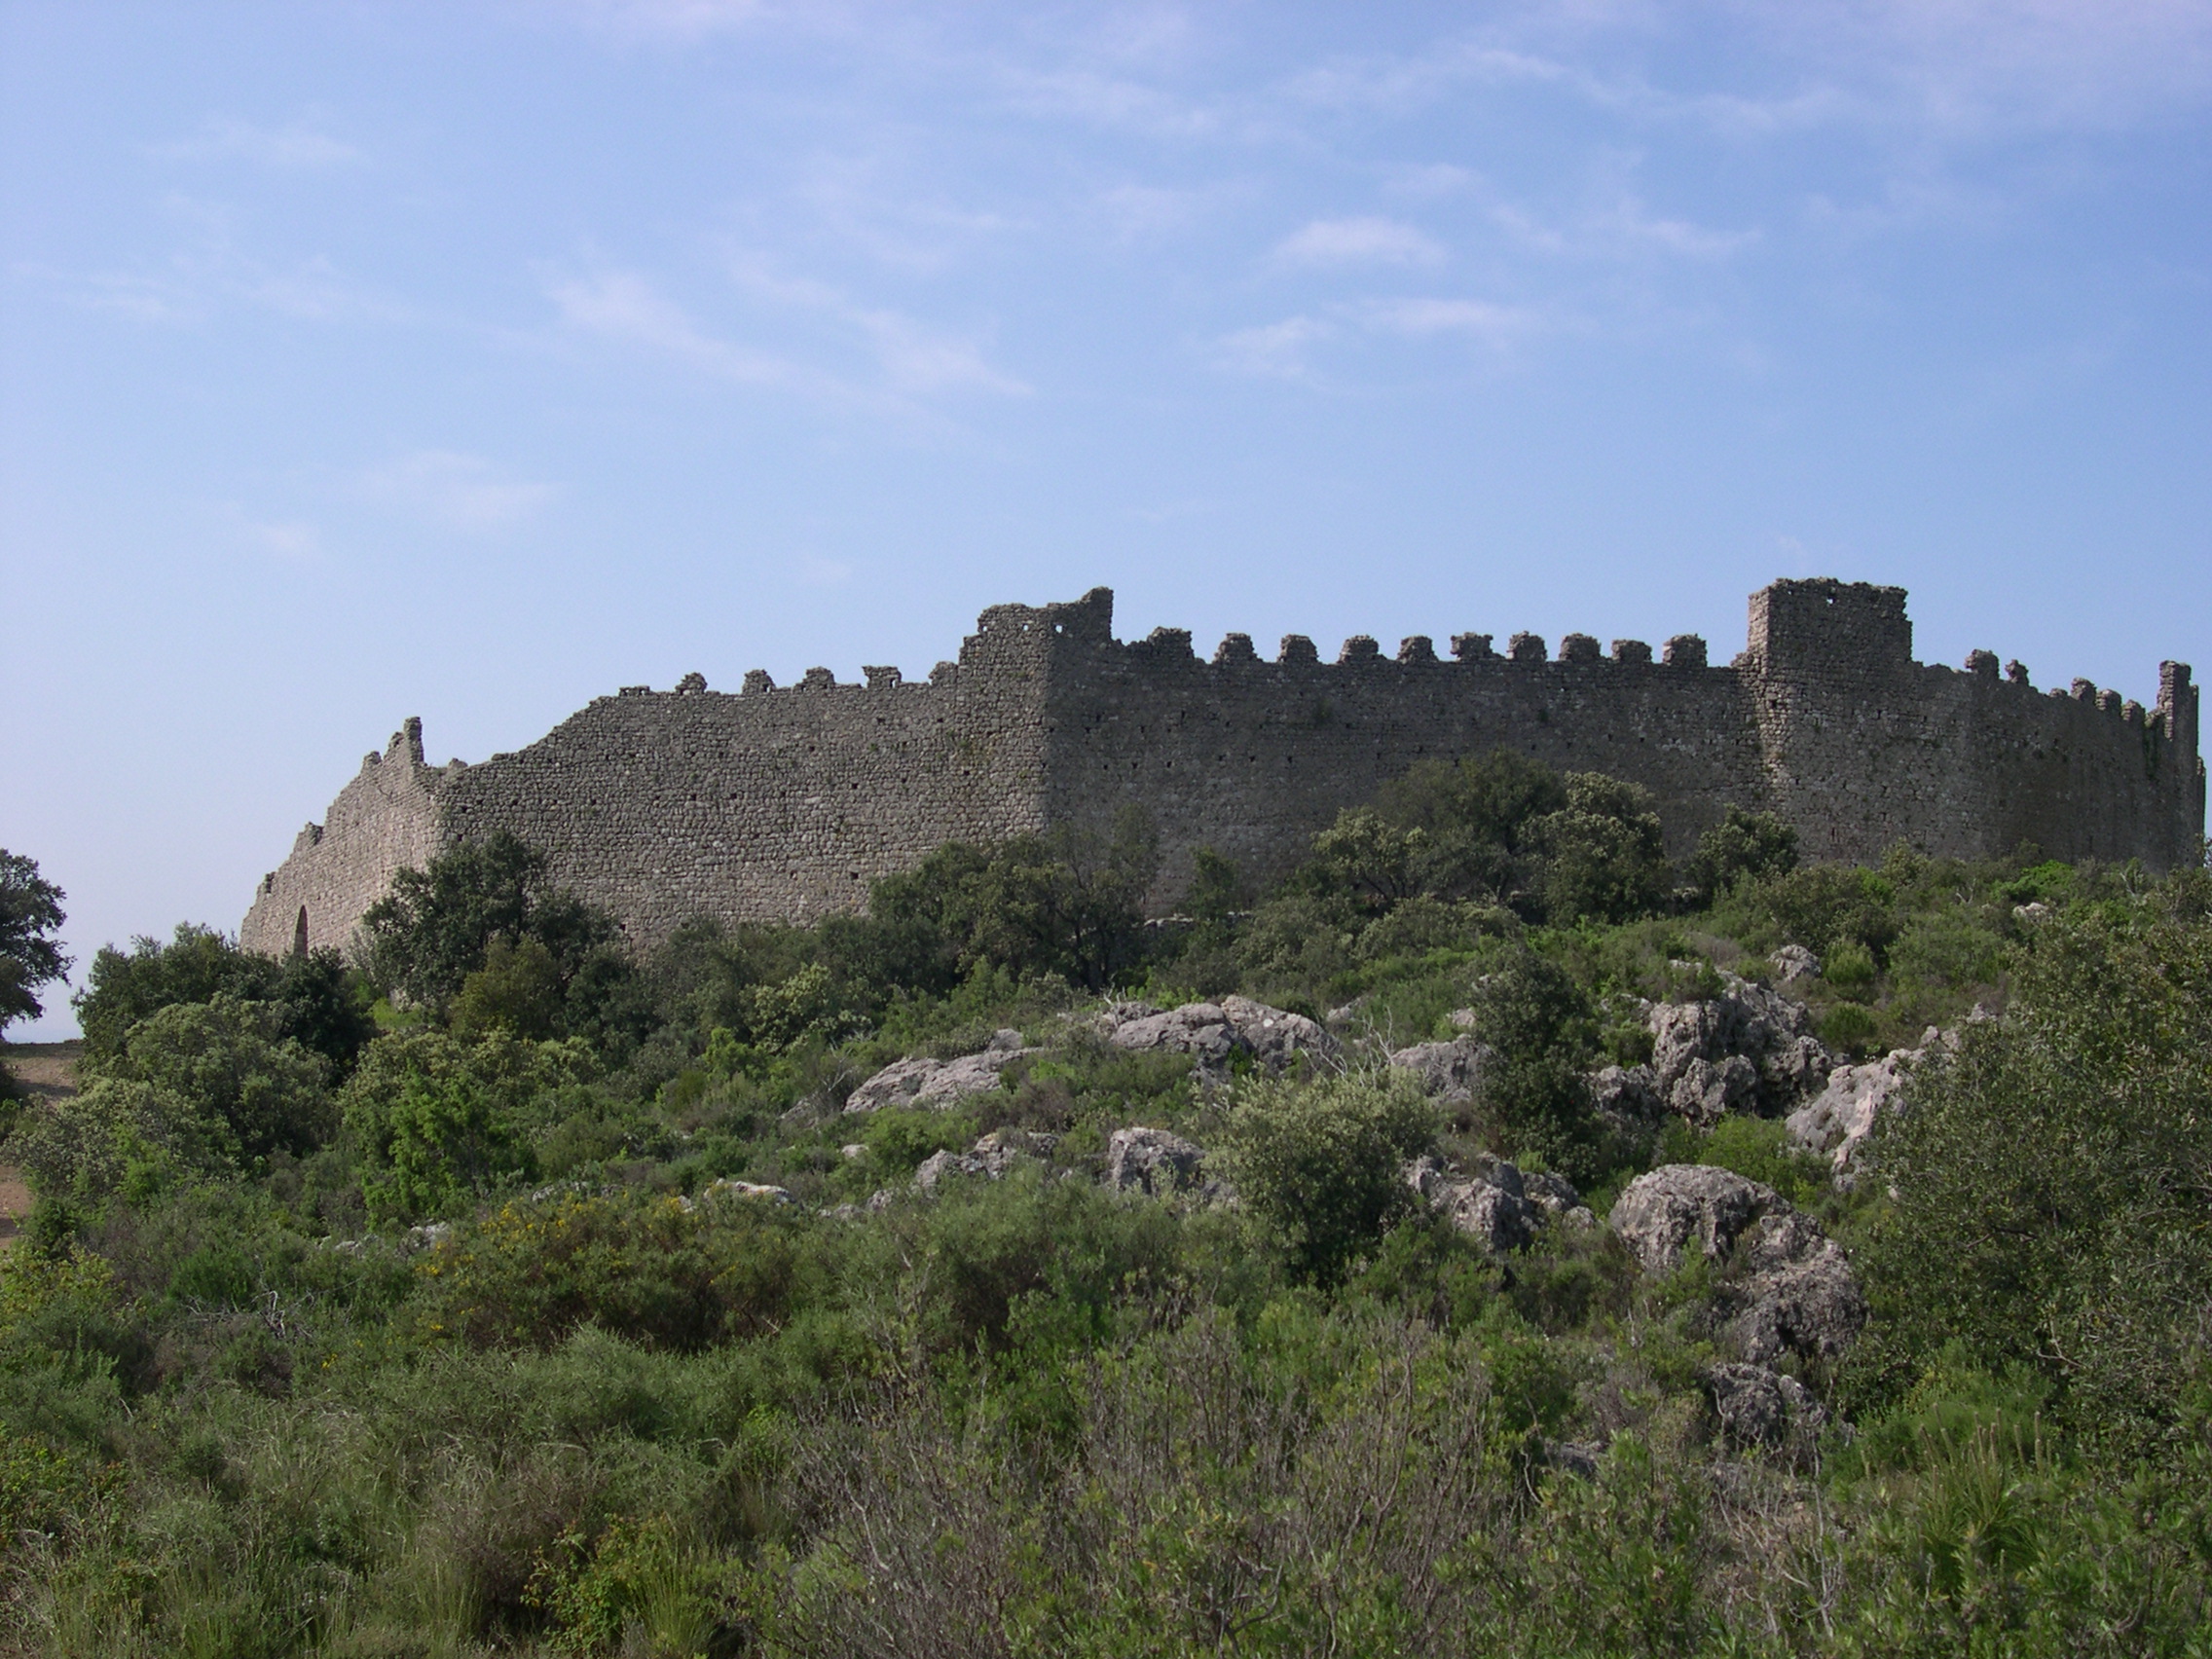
(30,912)
(452,1331)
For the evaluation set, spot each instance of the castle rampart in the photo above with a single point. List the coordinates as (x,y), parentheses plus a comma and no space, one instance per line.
(786,804)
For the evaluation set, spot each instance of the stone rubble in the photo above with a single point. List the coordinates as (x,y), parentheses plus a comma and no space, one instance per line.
(1495,1203)
(991,1158)
(940,1083)
(1838,1119)
(1794,962)
(1154,1162)
(1789,1288)
(1758,1407)
(1747,1050)
(1450,1072)
(1216,1032)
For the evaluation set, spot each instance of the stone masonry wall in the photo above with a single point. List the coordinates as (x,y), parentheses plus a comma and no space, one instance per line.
(786,804)
(1865,747)
(1252,758)
(772,805)
(384,821)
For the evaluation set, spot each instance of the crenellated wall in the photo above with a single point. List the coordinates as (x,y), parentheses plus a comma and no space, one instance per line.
(786,804)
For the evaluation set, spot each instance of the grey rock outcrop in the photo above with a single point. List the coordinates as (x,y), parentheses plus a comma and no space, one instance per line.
(1837,1121)
(1797,1294)
(1758,1407)
(1749,1048)
(991,1157)
(1794,962)
(1660,1215)
(939,1084)
(1214,1032)
(1789,1288)
(1448,1071)
(1626,1097)
(1152,1160)
(1493,1202)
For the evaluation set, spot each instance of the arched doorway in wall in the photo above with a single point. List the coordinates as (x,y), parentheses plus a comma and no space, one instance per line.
(300,934)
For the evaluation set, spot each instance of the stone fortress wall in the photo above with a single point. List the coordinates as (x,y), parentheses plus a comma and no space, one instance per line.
(784,804)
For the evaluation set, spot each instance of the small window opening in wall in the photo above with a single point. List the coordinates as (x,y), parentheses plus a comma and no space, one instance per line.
(300,934)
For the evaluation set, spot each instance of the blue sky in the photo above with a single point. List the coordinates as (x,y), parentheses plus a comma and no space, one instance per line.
(359,362)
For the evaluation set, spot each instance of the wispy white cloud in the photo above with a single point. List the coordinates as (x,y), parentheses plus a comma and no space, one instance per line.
(296,148)
(1276,349)
(1143,210)
(1430,179)
(912,358)
(1491,323)
(683,20)
(1364,240)
(197,282)
(294,540)
(624,306)
(452,490)
(1622,228)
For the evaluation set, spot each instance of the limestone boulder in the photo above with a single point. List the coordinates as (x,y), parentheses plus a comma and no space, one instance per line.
(1788,1289)
(1683,1205)
(1276,1037)
(1493,1201)
(1154,1162)
(920,1081)
(1448,1071)
(1792,963)
(989,1158)
(1749,1049)
(1199,1029)
(1626,1097)
(1213,1033)
(1837,1121)
(1757,1407)
(1796,1292)
(1555,1196)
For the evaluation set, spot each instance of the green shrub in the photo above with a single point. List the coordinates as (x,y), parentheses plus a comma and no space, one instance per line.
(1541,1023)
(644,1267)
(2050,1205)
(1605,853)
(250,1092)
(1744,846)
(1848,1028)
(437,925)
(435,1119)
(1850,969)
(1759,1149)
(1319,1162)
(93,1143)
(313,1000)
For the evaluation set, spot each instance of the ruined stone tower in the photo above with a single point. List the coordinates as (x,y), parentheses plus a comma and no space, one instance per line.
(786,804)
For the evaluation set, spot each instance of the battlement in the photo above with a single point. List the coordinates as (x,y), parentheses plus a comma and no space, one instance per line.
(1850,630)
(783,803)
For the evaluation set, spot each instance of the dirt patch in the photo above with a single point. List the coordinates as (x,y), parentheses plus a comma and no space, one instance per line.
(46,1071)
(15,1204)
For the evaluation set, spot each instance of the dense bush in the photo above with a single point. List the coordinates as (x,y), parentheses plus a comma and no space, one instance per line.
(315,1000)
(246,1090)
(437,1121)
(1320,1162)
(2052,1181)
(437,925)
